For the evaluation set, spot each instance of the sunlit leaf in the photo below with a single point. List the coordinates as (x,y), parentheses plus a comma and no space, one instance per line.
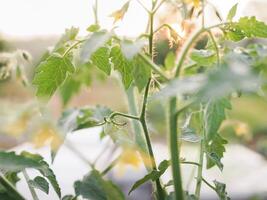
(169,61)
(93,43)
(100,59)
(232,13)
(51,73)
(203,57)
(123,65)
(93,28)
(131,48)
(141,73)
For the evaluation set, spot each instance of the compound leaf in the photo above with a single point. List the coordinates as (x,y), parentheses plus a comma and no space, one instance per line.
(214,114)
(51,73)
(123,65)
(100,59)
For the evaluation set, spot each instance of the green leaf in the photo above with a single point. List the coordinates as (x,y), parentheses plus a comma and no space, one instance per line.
(221,190)
(40,183)
(214,115)
(12,177)
(131,48)
(51,73)
(94,187)
(251,27)
(74,119)
(169,61)
(70,197)
(93,28)
(123,65)
(203,57)
(69,36)
(100,59)
(246,27)
(214,151)
(7,191)
(232,13)
(45,170)
(91,45)
(9,161)
(152,176)
(141,73)
(73,84)
(189,135)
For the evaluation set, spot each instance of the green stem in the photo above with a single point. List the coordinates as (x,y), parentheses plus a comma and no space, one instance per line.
(160,191)
(215,46)
(188,45)
(123,115)
(110,166)
(175,157)
(138,1)
(72,47)
(200,168)
(208,184)
(151,35)
(154,67)
(190,163)
(159,5)
(96,12)
(12,191)
(33,193)
(139,137)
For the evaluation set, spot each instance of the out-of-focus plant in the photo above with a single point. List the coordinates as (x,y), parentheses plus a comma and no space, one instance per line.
(197,86)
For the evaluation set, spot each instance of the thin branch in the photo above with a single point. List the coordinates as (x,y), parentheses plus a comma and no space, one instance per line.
(113,115)
(32,190)
(110,166)
(153,66)
(208,184)
(143,6)
(158,7)
(190,163)
(190,42)
(215,45)
(72,47)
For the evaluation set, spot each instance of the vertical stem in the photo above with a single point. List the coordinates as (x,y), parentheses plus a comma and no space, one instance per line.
(200,168)
(203,13)
(139,138)
(160,191)
(34,195)
(175,157)
(151,35)
(96,12)
(12,191)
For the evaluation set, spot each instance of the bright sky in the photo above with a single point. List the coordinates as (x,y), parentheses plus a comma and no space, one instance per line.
(43,17)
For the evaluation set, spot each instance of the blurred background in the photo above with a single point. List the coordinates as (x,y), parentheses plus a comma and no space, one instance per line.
(34,26)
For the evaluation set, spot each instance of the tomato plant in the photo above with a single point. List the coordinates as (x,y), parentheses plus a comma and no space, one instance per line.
(196,87)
